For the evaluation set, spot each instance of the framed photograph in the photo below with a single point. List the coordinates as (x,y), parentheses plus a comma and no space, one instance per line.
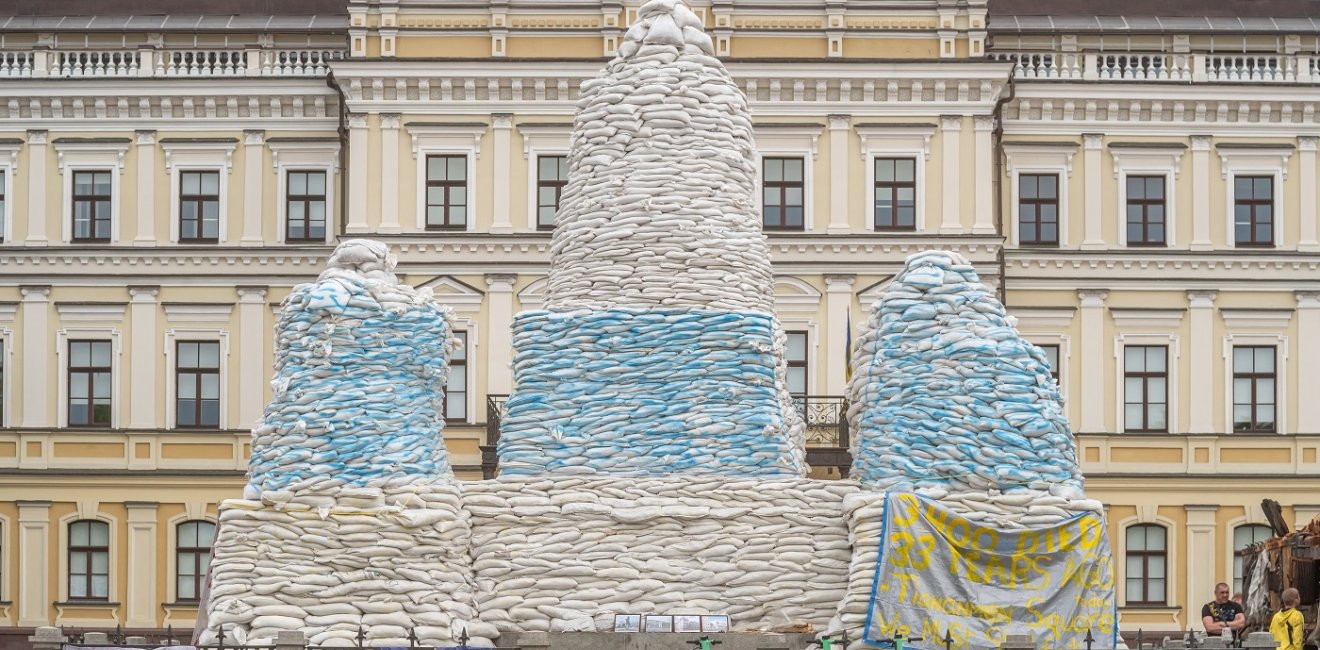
(687,623)
(627,622)
(715,623)
(657,623)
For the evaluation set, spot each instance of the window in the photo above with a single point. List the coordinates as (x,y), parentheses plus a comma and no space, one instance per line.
(1244,536)
(551,177)
(1038,209)
(1253,389)
(197,394)
(1145,211)
(3,215)
(305,209)
(1253,210)
(782,187)
(1052,357)
(89,560)
(89,383)
(895,194)
(91,206)
(797,363)
(1145,388)
(199,206)
(194,558)
(456,390)
(446,192)
(1146,557)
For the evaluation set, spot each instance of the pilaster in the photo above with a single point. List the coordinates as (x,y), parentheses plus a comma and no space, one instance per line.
(840,126)
(838,305)
(146,192)
(1201,544)
(503,129)
(34,563)
(1201,389)
(252,343)
(142,564)
(389,173)
(951,203)
(358,142)
(1093,368)
(1308,361)
(1092,212)
(34,341)
(1309,240)
(984,207)
(36,170)
(1201,193)
(499,350)
(144,358)
(254,147)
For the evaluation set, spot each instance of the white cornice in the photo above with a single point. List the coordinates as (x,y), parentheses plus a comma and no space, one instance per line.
(7,311)
(879,137)
(95,312)
(198,151)
(1031,318)
(1158,319)
(1270,319)
(198,313)
(459,135)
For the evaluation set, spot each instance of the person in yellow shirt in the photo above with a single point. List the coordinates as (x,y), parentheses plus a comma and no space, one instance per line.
(1288,625)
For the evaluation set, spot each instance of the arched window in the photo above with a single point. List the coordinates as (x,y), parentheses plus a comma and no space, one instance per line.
(89,560)
(1147,561)
(1244,536)
(194,556)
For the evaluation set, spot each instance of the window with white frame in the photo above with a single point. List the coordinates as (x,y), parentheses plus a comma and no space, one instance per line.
(798,363)
(446,192)
(1039,174)
(90,376)
(1253,211)
(199,206)
(305,205)
(1254,378)
(1051,351)
(193,558)
(1038,209)
(306,169)
(91,170)
(1147,565)
(1146,174)
(1243,537)
(90,205)
(197,384)
(89,560)
(199,170)
(895,193)
(551,178)
(456,391)
(783,192)
(1145,388)
(4,197)
(1253,175)
(1146,211)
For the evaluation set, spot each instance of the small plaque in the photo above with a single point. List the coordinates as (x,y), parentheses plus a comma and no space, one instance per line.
(687,623)
(658,623)
(627,622)
(715,623)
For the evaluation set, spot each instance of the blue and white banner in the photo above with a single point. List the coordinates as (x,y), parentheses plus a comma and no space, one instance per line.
(940,573)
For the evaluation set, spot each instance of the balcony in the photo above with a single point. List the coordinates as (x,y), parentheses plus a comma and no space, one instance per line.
(827,432)
(1163,66)
(152,63)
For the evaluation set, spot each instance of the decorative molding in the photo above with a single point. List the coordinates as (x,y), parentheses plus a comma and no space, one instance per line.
(357,121)
(198,152)
(145,136)
(1052,154)
(92,151)
(455,293)
(1266,158)
(253,137)
(1308,299)
(793,294)
(550,137)
(789,136)
(197,312)
(320,153)
(884,137)
(37,136)
(1157,319)
(1202,299)
(437,135)
(1043,318)
(390,120)
(90,312)
(1153,157)
(1270,319)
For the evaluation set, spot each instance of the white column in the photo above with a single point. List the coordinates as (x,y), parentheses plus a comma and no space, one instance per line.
(985,171)
(1309,241)
(503,123)
(357,174)
(1201,555)
(144,359)
(146,189)
(1308,361)
(1092,214)
(142,563)
(839,129)
(1201,390)
(1093,361)
(34,341)
(33,563)
(838,304)
(36,170)
(951,135)
(254,150)
(389,173)
(253,372)
(1201,193)
(499,340)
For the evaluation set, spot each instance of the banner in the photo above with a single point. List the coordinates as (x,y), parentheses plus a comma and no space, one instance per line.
(940,573)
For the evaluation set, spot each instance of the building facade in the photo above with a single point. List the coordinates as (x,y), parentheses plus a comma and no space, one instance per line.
(1142,193)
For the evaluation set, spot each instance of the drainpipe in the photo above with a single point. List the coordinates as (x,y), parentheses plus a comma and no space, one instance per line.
(343,153)
(998,135)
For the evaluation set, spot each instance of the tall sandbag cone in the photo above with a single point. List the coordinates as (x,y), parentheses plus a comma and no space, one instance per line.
(948,397)
(658,351)
(360,366)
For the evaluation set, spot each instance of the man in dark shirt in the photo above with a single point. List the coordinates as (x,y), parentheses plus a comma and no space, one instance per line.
(1222,613)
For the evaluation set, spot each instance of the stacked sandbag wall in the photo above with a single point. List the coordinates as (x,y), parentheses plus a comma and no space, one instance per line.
(568,553)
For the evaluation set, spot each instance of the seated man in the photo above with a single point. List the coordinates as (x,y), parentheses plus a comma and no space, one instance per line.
(1222,613)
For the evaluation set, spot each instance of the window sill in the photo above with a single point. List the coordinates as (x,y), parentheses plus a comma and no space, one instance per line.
(86,603)
(1255,246)
(183,604)
(199,242)
(1152,608)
